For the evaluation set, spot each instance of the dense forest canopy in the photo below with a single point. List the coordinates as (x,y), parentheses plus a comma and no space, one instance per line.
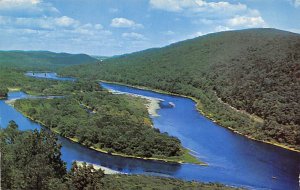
(114,123)
(13,65)
(3,92)
(32,160)
(255,71)
(41,59)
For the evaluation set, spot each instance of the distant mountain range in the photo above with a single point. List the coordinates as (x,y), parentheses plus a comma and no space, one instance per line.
(100,57)
(246,80)
(42,59)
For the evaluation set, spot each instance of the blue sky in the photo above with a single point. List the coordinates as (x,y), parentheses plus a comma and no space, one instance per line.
(111,27)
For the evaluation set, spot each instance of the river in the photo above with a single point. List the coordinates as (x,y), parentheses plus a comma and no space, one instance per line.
(232,158)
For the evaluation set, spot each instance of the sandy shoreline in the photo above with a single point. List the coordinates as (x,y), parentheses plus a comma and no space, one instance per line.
(10,102)
(152,105)
(105,169)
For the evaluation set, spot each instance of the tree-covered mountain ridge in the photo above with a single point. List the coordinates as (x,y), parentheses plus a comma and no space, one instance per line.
(41,59)
(246,80)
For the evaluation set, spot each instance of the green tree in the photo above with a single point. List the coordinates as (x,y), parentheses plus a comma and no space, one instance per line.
(30,159)
(85,177)
(3,92)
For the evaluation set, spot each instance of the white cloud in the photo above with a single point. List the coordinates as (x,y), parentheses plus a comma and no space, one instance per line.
(240,22)
(196,6)
(65,21)
(124,23)
(31,33)
(172,5)
(12,4)
(222,28)
(80,39)
(27,7)
(33,23)
(226,7)
(89,29)
(196,34)
(41,23)
(214,16)
(297,3)
(134,36)
(98,26)
(244,21)
(28,24)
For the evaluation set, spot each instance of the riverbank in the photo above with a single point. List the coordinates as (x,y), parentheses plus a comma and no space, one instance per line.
(153,106)
(207,115)
(147,182)
(4,95)
(14,89)
(97,167)
(152,103)
(185,158)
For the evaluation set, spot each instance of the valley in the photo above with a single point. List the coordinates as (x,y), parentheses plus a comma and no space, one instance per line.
(202,88)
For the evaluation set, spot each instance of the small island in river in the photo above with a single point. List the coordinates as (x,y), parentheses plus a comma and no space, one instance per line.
(125,118)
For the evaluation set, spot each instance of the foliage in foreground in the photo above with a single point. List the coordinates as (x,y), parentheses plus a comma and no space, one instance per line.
(32,160)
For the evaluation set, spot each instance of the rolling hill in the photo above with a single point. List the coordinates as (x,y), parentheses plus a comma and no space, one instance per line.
(41,59)
(13,65)
(245,80)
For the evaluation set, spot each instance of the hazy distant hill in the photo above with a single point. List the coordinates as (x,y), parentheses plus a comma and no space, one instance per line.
(36,59)
(255,70)
(100,57)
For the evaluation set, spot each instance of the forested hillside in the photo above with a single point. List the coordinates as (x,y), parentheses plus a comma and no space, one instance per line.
(41,59)
(13,65)
(246,80)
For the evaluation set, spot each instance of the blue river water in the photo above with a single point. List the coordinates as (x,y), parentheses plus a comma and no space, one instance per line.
(50,75)
(233,159)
